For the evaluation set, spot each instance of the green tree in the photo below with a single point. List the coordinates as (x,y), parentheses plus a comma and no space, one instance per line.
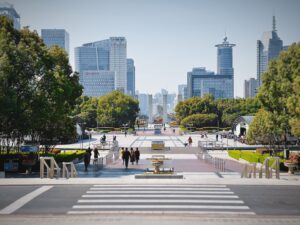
(116,109)
(294,108)
(262,130)
(278,90)
(200,120)
(37,87)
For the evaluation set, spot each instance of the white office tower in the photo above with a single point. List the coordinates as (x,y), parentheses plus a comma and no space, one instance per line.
(118,62)
(165,113)
(150,109)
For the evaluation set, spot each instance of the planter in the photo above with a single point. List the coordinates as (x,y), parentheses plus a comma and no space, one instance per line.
(292,166)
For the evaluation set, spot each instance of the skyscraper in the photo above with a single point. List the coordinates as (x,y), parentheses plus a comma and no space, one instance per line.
(250,88)
(130,77)
(109,55)
(182,90)
(201,82)
(9,11)
(98,83)
(59,37)
(268,48)
(224,59)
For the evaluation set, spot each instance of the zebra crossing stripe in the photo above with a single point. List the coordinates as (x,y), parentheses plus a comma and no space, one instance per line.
(104,195)
(160,207)
(105,201)
(160,185)
(162,189)
(162,212)
(158,192)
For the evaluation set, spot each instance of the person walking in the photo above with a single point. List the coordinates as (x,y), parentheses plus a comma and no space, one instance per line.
(87,159)
(126,157)
(96,153)
(190,141)
(122,155)
(217,137)
(132,156)
(137,155)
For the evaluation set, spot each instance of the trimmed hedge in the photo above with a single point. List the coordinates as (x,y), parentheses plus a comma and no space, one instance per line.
(254,157)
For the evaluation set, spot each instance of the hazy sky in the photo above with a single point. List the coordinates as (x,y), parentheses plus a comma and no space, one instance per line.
(167,38)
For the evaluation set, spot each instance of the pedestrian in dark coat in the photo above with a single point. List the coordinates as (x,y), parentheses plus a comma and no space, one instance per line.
(126,157)
(96,153)
(132,156)
(137,155)
(87,159)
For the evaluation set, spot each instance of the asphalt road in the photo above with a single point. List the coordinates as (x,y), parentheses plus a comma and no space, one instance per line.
(136,204)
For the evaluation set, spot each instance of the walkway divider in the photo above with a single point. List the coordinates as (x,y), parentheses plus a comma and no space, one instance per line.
(218,163)
(250,169)
(52,169)
(69,170)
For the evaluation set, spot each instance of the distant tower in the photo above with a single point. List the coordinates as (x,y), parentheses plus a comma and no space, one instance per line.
(59,37)
(9,11)
(165,114)
(150,109)
(130,77)
(225,58)
(268,48)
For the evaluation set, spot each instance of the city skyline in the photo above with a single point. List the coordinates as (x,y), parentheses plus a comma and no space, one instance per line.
(167,39)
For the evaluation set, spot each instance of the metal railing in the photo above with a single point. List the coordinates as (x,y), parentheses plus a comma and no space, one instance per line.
(98,163)
(218,163)
(69,170)
(250,169)
(52,168)
(210,145)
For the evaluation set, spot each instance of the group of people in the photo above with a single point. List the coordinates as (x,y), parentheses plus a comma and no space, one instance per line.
(132,155)
(87,157)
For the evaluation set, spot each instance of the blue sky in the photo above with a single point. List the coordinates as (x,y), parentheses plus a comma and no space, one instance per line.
(167,38)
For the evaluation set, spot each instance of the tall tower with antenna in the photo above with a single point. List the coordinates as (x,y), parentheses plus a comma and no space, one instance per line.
(268,48)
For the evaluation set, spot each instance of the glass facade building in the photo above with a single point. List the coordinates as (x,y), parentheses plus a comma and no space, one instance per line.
(268,48)
(98,83)
(182,91)
(9,11)
(59,37)
(130,77)
(224,59)
(201,82)
(250,88)
(106,55)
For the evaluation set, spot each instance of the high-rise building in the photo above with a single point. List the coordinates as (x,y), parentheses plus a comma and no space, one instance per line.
(130,77)
(59,37)
(182,90)
(150,109)
(143,103)
(201,82)
(9,11)
(98,83)
(250,88)
(118,62)
(225,58)
(109,55)
(268,48)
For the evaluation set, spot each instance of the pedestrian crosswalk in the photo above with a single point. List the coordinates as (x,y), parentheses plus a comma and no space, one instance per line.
(187,199)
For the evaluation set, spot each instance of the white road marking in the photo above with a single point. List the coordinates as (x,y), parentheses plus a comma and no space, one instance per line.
(161,189)
(160,207)
(158,196)
(104,201)
(24,200)
(163,212)
(157,185)
(158,192)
